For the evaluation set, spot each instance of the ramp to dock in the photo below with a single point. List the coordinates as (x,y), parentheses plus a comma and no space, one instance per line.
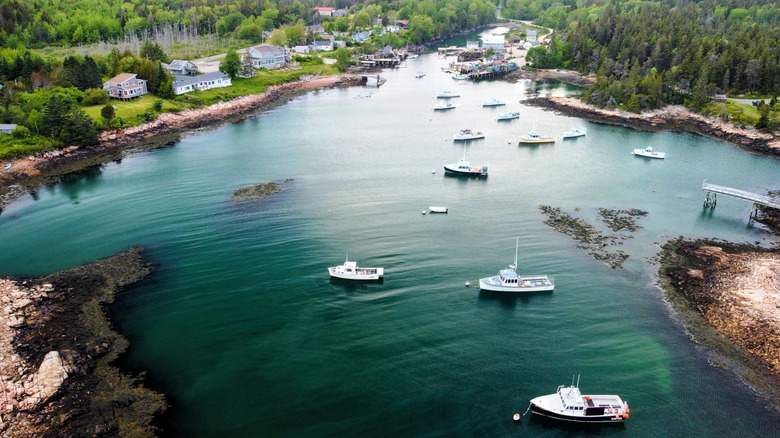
(740,194)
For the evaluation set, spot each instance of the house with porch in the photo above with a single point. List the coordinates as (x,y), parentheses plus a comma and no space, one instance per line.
(217,79)
(267,56)
(125,86)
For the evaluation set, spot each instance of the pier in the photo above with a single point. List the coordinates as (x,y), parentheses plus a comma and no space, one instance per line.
(712,191)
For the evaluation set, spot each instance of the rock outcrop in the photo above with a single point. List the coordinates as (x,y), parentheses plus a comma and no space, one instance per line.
(56,349)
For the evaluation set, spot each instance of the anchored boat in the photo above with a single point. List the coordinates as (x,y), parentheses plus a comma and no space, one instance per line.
(648,152)
(534,137)
(468,134)
(351,271)
(446,94)
(507,280)
(574,133)
(568,404)
(464,167)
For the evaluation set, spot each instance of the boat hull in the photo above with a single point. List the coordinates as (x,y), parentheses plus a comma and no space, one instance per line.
(642,153)
(494,284)
(522,140)
(473,137)
(582,419)
(362,274)
(474,171)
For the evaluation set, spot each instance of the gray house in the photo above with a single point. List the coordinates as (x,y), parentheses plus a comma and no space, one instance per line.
(125,86)
(181,67)
(267,56)
(7,128)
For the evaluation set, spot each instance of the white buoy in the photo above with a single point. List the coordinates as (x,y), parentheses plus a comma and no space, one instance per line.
(423,212)
(433,172)
(516,417)
(468,284)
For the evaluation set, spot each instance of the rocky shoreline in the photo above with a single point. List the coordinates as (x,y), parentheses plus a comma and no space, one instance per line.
(57,347)
(29,174)
(671,118)
(735,290)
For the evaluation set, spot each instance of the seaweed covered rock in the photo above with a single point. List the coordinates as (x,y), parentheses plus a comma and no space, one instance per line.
(56,352)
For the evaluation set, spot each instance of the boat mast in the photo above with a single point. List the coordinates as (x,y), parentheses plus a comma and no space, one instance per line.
(517,242)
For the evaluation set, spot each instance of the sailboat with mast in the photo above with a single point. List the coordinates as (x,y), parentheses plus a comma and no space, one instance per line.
(508,280)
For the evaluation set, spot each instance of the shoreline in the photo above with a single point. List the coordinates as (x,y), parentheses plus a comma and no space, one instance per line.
(727,297)
(671,118)
(57,348)
(29,174)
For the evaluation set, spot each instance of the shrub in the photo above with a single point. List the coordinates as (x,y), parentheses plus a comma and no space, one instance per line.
(157,105)
(108,111)
(94,96)
(21,132)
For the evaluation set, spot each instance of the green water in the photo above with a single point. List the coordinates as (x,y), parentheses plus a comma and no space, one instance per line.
(243,330)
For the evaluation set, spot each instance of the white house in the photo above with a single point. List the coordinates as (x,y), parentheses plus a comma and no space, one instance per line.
(267,56)
(393,28)
(181,67)
(339,13)
(472,45)
(217,79)
(530,35)
(125,86)
(301,49)
(322,46)
(7,128)
(495,42)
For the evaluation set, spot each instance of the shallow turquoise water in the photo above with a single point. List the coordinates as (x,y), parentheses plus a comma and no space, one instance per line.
(241,327)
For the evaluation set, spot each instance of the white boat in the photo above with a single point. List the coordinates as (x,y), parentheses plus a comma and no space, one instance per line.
(508,115)
(464,167)
(419,74)
(574,133)
(459,76)
(534,137)
(468,134)
(351,271)
(436,209)
(568,404)
(507,280)
(446,94)
(444,106)
(493,102)
(649,153)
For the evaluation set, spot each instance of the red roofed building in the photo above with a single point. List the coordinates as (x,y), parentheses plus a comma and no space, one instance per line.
(324,10)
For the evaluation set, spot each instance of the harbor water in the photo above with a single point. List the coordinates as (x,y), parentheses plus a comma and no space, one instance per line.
(242,329)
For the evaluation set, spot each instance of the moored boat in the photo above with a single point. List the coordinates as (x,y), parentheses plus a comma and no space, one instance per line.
(493,102)
(419,74)
(534,137)
(351,271)
(648,152)
(507,280)
(459,76)
(508,115)
(568,404)
(465,168)
(444,106)
(446,94)
(437,209)
(574,133)
(468,134)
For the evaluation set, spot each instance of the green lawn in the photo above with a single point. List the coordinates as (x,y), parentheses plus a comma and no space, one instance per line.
(129,109)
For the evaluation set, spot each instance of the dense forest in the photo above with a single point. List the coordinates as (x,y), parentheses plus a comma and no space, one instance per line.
(648,54)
